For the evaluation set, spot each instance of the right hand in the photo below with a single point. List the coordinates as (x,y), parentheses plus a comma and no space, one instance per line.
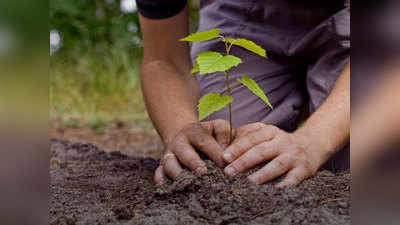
(210,137)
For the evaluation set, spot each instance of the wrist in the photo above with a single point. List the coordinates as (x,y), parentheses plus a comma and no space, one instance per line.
(321,149)
(171,133)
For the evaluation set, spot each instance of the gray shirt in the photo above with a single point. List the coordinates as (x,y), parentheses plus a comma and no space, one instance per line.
(308,45)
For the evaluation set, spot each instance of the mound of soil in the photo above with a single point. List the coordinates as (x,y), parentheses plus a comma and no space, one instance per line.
(90,186)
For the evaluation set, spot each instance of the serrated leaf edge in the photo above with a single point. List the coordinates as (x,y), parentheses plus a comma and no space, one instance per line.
(205,116)
(235,65)
(192,34)
(266,102)
(234,40)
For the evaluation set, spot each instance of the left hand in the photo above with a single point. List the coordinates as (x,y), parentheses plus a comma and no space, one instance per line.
(257,142)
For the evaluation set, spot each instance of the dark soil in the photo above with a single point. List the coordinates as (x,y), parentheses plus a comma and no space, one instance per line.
(89,186)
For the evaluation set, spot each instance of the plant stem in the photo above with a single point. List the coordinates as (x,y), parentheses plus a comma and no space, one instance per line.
(229,107)
(228,87)
(235,86)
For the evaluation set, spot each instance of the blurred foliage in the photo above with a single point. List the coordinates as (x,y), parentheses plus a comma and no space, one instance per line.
(27,22)
(94,25)
(94,72)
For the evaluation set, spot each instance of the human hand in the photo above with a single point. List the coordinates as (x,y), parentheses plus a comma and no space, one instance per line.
(290,154)
(210,137)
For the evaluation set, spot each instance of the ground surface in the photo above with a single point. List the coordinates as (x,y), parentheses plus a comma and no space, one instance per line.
(129,138)
(90,186)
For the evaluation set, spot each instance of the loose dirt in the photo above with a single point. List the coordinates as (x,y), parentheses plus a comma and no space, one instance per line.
(90,186)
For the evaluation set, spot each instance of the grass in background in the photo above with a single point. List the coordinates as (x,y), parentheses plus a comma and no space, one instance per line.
(96,89)
(94,65)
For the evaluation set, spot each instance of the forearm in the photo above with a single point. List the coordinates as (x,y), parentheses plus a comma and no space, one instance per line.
(328,129)
(170,97)
(170,91)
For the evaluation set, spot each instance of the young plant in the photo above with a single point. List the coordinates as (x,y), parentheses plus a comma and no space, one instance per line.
(212,62)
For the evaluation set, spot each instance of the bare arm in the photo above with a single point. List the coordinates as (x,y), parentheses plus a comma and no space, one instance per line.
(170,91)
(171,95)
(299,154)
(328,129)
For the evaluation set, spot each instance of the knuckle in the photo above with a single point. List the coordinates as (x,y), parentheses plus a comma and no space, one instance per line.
(289,158)
(250,127)
(297,178)
(261,150)
(245,142)
(239,165)
(252,139)
(304,162)
(256,126)
(308,167)
(195,128)
(295,154)
(278,164)
(195,163)
(204,142)
(259,125)
(292,141)
(271,128)
(179,139)
(262,153)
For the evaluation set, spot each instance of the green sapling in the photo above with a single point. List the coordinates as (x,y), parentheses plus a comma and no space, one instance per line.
(212,62)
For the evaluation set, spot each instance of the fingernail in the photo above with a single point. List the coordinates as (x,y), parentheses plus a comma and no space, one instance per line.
(200,171)
(230,171)
(228,157)
(253,179)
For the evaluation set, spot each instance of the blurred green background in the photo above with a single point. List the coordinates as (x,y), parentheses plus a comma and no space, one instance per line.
(96,50)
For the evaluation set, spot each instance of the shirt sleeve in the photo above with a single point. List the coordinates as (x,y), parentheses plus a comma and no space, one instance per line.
(160,9)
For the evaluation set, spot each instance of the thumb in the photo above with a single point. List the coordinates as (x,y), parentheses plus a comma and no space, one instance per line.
(222,132)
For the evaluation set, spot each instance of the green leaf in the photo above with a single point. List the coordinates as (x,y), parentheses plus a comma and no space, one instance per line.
(249,45)
(203,36)
(211,103)
(253,87)
(196,68)
(211,62)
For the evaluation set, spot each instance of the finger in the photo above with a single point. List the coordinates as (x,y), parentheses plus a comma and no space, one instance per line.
(208,145)
(222,131)
(171,166)
(251,158)
(244,143)
(294,177)
(188,156)
(159,176)
(244,130)
(272,170)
